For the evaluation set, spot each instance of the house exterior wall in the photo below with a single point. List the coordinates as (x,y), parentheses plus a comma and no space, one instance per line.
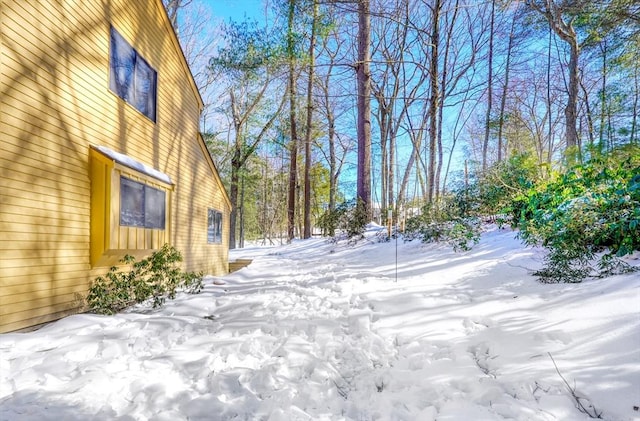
(55,106)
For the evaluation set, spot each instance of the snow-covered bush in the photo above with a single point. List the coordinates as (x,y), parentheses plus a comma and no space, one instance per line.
(349,217)
(460,233)
(155,278)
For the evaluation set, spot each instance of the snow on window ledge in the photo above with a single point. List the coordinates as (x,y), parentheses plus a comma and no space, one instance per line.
(127,161)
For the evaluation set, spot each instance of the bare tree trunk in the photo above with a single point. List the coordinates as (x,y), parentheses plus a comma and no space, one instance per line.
(603,92)
(391,166)
(293,147)
(633,138)
(405,179)
(236,164)
(307,141)
(384,180)
(392,47)
(333,177)
(241,212)
(549,104)
(331,125)
(364,105)
(571,110)
(383,124)
(505,87)
(589,114)
(487,124)
(233,197)
(433,101)
(264,216)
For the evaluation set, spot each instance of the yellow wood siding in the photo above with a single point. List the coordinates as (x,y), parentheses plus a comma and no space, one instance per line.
(56,104)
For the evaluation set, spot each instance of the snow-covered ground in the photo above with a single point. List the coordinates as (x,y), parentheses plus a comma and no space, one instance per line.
(322,331)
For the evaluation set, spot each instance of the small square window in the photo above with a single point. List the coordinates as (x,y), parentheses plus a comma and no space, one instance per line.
(131,77)
(214,227)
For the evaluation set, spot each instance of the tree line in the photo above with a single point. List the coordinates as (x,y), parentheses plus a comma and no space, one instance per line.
(398,103)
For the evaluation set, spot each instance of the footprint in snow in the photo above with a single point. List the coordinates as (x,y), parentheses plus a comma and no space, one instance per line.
(475,324)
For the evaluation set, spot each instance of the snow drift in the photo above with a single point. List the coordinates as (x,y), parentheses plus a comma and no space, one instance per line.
(335,331)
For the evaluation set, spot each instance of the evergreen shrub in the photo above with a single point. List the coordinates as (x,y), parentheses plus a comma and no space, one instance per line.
(591,210)
(154,278)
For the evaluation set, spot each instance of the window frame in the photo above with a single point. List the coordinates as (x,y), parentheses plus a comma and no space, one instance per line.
(214,217)
(148,219)
(129,88)
(110,241)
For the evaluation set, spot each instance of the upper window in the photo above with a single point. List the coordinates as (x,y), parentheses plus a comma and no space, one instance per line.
(214,227)
(131,77)
(141,205)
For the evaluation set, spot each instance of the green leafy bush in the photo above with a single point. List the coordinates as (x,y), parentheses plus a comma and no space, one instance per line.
(506,180)
(491,194)
(154,278)
(593,208)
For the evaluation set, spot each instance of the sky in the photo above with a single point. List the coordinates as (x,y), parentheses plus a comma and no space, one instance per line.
(235,9)
(240,10)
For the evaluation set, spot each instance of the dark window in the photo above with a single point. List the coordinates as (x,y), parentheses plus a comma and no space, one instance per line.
(131,77)
(141,205)
(214,227)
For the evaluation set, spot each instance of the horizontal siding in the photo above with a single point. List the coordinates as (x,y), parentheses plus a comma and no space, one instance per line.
(53,299)
(41,307)
(22,298)
(46,236)
(30,195)
(34,207)
(62,48)
(38,316)
(12,224)
(17,284)
(59,244)
(22,269)
(27,160)
(15,178)
(42,254)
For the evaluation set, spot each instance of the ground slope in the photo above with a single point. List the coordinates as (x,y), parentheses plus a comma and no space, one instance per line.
(337,331)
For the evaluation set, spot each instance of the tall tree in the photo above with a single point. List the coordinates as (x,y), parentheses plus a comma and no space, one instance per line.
(308,135)
(363,76)
(293,145)
(487,124)
(434,98)
(635,108)
(505,85)
(561,15)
